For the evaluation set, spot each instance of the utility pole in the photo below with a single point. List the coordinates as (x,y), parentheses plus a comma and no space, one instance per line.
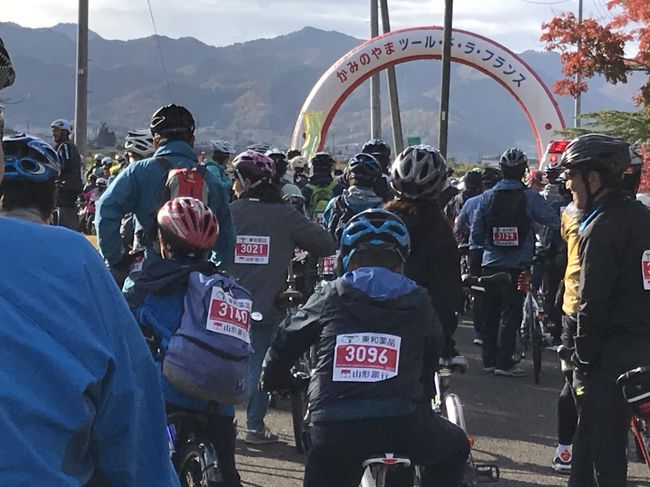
(81,97)
(375,106)
(446,75)
(396,119)
(578,98)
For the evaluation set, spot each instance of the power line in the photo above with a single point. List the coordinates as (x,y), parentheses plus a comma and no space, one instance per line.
(162,60)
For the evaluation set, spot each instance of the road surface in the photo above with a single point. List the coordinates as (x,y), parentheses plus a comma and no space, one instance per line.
(512,420)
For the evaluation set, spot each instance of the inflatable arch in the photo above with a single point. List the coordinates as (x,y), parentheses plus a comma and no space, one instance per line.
(411,44)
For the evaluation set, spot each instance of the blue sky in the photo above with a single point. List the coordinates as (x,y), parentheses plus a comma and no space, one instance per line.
(514,23)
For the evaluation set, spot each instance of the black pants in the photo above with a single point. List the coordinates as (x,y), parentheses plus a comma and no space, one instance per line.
(502,313)
(553,274)
(600,444)
(477,311)
(338,449)
(222,432)
(567,410)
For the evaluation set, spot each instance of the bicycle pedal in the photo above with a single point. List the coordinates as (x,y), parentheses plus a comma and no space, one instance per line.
(487,472)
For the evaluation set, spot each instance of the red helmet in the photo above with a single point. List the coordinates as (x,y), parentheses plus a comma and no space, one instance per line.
(191,221)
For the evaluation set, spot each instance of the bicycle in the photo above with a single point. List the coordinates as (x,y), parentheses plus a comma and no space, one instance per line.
(531,331)
(378,469)
(192,452)
(635,385)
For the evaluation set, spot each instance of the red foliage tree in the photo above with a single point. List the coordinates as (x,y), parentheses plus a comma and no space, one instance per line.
(597,47)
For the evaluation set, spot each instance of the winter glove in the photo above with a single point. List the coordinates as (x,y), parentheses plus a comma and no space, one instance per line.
(274,380)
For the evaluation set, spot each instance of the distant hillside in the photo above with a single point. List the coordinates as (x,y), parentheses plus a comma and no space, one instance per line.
(252,91)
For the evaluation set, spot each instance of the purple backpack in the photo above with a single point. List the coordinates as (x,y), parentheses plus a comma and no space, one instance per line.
(207,358)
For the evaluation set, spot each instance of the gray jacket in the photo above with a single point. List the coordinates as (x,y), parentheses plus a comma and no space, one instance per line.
(285,228)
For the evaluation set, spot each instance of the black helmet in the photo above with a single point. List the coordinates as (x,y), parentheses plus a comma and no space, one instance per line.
(364,168)
(553,172)
(597,152)
(376,146)
(491,176)
(172,119)
(513,158)
(473,179)
(420,171)
(322,160)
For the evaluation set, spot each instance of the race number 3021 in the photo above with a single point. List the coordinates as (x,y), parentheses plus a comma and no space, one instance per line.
(229,316)
(645,269)
(366,357)
(251,249)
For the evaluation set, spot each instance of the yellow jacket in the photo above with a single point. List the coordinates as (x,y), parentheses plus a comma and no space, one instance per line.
(569,225)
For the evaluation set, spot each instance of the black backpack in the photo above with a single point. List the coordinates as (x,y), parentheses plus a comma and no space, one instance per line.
(508,225)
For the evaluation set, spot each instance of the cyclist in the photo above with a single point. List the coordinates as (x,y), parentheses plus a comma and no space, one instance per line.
(28,190)
(281,179)
(380,150)
(187,230)
(320,189)
(85,403)
(268,231)
(472,186)
(222,151)
(137,190)
(503,228)
(613,331)
(139,145)
(300,167)
(70,179)
(97,164)
(567,413)
(418,176)
(361,175)
(369,399)
(490,177)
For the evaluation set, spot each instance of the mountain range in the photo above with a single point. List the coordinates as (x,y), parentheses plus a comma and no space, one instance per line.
(252,91)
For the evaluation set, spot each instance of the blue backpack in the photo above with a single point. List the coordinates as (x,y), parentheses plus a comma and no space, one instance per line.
(208,355)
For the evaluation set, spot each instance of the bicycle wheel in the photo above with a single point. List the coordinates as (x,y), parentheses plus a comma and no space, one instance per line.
(193,470)
(453,411)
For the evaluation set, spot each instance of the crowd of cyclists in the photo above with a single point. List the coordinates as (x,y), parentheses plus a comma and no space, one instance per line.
(193,255)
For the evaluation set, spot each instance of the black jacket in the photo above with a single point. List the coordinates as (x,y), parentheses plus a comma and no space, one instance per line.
(340,309)
(614,297)
(71,161)
(434,261)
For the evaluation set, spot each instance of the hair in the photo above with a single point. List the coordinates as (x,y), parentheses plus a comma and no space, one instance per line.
(183,136)
(178,246)
(516,173)
(631,182)
(220,157)
(376,258)
(266,192)
(18,194)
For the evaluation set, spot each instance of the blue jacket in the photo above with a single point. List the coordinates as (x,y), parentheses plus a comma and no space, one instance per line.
(220,173)
(157,302)
(466,216)
(137,190)
(537,209)
(80,399)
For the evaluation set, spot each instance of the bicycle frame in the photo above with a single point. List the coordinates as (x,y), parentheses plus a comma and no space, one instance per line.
(640,430)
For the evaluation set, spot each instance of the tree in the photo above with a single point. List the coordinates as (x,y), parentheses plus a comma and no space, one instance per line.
(632,126)
(105,136)
(598,47)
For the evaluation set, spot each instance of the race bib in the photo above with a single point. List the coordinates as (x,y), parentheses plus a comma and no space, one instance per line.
(229,316)
(366,357)
(252,250)
(645,269)
(505,236)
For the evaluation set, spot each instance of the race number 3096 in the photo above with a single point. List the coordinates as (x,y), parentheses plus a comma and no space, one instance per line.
(366,357)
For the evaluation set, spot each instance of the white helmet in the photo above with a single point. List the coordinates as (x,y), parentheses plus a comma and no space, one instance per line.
(222,146)
(98,157)
(299,162)
(107,161)
(140,142)
(420,171)
(643,198)
(101,182)
(63,124)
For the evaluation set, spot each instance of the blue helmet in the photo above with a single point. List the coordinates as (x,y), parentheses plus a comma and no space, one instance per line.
(365,169)
(29,158)
(376,228)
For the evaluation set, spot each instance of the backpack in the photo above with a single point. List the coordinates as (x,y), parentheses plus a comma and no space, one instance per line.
(508,224)
(183,182)
(320,197)
(208,356)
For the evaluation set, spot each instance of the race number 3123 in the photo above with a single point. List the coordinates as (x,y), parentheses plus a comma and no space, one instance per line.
(366,357)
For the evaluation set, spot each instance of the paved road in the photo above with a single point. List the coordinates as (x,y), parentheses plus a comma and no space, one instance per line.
(512,421)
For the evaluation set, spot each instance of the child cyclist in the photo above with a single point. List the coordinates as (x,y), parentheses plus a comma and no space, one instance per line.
(187,230)
(378,342)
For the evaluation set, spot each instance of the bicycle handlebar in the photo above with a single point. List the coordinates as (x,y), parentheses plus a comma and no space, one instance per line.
(480,283)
